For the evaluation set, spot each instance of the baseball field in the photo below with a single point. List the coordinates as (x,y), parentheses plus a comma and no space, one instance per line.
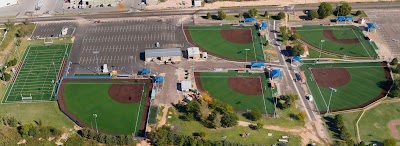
(37,75)
(345,40)
(113,106)
(243,91)
(228,42)
(348,85)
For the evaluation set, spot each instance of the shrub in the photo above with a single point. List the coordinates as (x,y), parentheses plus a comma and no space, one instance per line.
(301,116)
(281,15)
(229,120)
(324,10)
(208,15)
(295,36)
(312,14)
(221,15)
(253,12)
(358,13)
(6,76)
(202,134)
(395,61)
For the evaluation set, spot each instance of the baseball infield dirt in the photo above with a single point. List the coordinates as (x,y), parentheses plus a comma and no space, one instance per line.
(329,35)
(126,93)
(331,77)
(147,82)
(240,36)
(245,85)
(392,125)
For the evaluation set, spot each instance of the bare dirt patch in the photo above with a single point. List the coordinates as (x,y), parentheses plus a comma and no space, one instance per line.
(331,77)
(393,130)
(240,36)
(245,85)
(126,93)
(329,35)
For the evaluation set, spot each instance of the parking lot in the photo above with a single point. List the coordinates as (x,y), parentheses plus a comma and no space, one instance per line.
(47,30)
(388,25)
(121,43)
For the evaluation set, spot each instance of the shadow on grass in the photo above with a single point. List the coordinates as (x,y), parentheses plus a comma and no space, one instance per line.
(330,122)
(213,17)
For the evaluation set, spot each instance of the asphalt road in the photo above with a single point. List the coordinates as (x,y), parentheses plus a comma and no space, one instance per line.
(355,6)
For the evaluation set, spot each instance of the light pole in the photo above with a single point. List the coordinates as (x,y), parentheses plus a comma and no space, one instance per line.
(95,121)
(330,97)
(322,41)
(246,53)
(337,15)
(131,57)
(97,60)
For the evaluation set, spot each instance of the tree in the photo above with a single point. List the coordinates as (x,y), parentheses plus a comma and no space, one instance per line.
(395,90)
(343,10)
(9,24)
(265,13)
(295,36)
(259,125)
(338,121)
(281,15)
(389,142)
(324,10)
(24,131)
(312,14)
(358,13)
(286,101)
(397,69)
(395,61)
(22,32)
(253,12)
(18,42)
(75,141)
(254,115)
(229,120)
(301,116)
(297,50)
(6,77)
(240,15)
(193,109)
(202,134)
(221,15)
(208,15)
(362,143)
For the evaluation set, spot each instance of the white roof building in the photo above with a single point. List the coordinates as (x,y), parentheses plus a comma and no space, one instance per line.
(4,3)
(186,85)
(193,53)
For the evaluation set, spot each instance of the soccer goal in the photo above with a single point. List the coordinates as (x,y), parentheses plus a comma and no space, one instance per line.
(26,98)
(48,41)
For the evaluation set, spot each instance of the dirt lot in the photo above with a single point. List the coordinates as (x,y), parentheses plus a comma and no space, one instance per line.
(393,130)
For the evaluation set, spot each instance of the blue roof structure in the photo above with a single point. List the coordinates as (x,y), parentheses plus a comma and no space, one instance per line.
(371,26)
(257,64)
(276,73)
(249,19)
(264,25)
(145,71)
(297,58)
(345,18)
(159,79)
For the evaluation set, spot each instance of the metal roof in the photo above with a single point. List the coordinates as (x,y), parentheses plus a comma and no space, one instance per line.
(193,51)
(186,85)
(163,52)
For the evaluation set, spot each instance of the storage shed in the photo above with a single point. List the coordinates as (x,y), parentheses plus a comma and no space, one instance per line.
(193,53)
(186,85)
(163,55)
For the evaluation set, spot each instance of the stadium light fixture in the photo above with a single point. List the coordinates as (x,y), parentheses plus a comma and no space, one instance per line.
(330,97)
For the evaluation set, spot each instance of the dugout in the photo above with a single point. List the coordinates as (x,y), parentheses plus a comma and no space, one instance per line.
(168,55)
(257,65)
(371,27)
(344,19)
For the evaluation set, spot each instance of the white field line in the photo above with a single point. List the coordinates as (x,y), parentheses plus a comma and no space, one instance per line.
(262,90)
(361,42)
(140,104)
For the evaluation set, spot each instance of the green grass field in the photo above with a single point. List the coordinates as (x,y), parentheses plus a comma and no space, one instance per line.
(363,86)
(210,39)
(216,84)
(86,99)
(313,35)
(257,137)
(373,124)
(39,73)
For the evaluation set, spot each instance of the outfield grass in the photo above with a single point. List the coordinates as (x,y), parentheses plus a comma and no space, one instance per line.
(216,84)
(313,35)
(210,39)
(257,137)
(39,72)
(84,100)
(363,86)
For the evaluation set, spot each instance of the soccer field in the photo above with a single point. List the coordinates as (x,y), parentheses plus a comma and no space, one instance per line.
(39,73)
(345,40)
(218,85)
(228,41)
(365,84)
(90,103)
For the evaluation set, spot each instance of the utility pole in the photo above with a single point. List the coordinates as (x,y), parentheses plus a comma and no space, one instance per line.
(95,121)
(322,41)
(97,60)
(246,53)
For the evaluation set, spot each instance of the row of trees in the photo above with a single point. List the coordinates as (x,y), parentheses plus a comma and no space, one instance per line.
(164,136)
(104,138)
(250,13)
(325,9)
(212,114)
(342,132)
